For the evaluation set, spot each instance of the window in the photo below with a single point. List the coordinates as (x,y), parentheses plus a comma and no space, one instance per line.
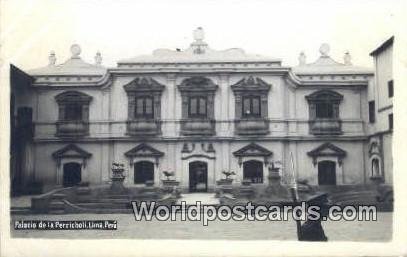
(324,110)
(324,114)
(144,107)
(391,121)
(390,88)
(251,106)
(372,112)
(197,107)
(73,112)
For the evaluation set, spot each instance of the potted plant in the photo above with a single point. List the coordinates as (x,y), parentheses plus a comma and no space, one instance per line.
(168,182)
(227,180)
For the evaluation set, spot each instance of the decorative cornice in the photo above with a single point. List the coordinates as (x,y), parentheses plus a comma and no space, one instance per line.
(326,95)
(251,83)
(144,150)
(319,150)
(144,84)
(73,97)
(77,152)
(197,84)
(252,149)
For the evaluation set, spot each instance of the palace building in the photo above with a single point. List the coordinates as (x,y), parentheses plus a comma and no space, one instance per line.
(198,112)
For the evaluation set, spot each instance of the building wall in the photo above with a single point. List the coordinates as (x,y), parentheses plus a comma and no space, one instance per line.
(289,131)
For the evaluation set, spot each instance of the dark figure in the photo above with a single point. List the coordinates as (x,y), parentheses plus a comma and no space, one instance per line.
(312,230)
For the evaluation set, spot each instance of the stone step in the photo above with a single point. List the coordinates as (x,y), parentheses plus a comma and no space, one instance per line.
(56,205)
(58,196)
(115,196)
(104,200)
(104,205)
(83,191)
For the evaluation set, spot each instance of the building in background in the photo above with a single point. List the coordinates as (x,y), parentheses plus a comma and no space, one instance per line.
(380,127)
(198,112)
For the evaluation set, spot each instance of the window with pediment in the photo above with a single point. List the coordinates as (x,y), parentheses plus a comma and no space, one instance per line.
(73,113)
(144,106)
(198,105)
(324,115)
(251,106)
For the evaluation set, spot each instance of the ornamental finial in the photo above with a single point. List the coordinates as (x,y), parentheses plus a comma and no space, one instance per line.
(302,59)
(324,49)
(52,58)
(199,34)
(75,51)
(347,58)
(98,58)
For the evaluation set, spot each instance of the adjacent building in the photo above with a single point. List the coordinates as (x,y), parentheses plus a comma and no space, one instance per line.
(198,112)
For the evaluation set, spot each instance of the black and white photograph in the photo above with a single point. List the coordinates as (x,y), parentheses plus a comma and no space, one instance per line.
(203,128)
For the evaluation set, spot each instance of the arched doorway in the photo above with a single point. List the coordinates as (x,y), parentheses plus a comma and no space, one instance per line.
(253,171)
(198,176)
(72,174)
(326,173)
(143,171)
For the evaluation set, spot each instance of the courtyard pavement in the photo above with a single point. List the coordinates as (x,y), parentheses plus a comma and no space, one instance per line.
(379,230)
(204,198)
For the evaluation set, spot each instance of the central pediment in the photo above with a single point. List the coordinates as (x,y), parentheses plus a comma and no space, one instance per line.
(144,84)
(144,150)
(327,149)
(71,151)
(252,150)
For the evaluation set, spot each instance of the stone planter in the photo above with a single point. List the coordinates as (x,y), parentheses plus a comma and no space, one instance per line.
(118,177)
(170,183)
(224,181)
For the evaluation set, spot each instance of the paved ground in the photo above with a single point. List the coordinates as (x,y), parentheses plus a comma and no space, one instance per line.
(379,230)
(21,201)
(204,198)
(239,230)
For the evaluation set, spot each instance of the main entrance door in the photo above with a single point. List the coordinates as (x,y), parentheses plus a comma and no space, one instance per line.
(198,176)
(72,174)
(326,173)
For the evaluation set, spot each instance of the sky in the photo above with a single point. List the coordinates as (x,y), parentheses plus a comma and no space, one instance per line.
(122,29)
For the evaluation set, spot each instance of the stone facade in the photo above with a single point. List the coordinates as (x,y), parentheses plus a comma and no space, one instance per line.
(198,112)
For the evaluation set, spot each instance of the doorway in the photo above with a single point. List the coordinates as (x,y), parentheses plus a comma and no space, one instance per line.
(327,173)
(72,174)
(198,176)
(253,171)
(143,172)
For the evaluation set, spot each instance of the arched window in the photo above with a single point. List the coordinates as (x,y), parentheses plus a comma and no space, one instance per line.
(375,168)
(326,173)
(72,174)
(143,171)
(253,171)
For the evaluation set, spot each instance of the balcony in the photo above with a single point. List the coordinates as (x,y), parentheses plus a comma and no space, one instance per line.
(143,127)
(198,127)
(252,126)
(325,126)
(72,128)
